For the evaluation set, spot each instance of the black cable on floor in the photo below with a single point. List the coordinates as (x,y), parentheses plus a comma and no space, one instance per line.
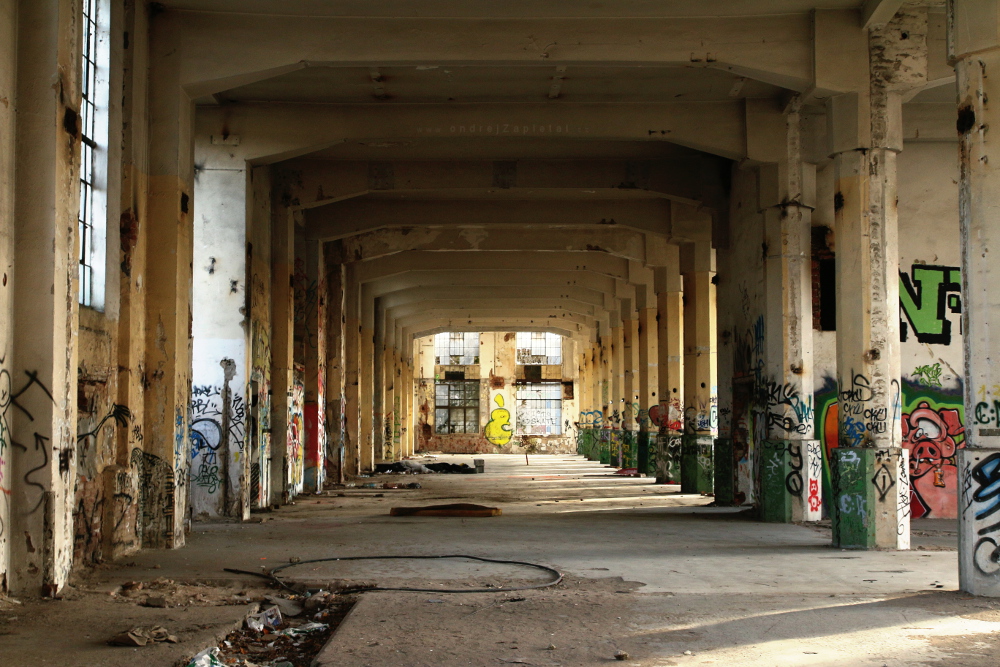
(558,577)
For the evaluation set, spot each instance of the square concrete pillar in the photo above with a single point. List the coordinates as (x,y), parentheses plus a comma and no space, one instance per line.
(697,463)
(790,486)
(668,458)
(871,488)
(979,521)
(725,472)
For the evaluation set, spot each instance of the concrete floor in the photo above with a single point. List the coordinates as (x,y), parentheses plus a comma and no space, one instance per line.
(649,571)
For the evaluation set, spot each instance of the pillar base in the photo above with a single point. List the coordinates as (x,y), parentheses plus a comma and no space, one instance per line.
(642,453)
(697,463)
(979,521)
(604,446)
(790,488)
(725,473)
(629,449)
(871,498)
(667,453)
(587,441)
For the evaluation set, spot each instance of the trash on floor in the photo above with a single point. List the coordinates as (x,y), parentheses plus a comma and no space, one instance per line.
(140,636)
(457,509)
(268,618)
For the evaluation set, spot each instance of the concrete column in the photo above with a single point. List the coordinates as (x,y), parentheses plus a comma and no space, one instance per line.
(668,415)
(366,384)
(700,409)
(378,383)
(315,341)
(631,405)
(866,134)
(282,349)
(170,212)
(41,450)
(352,350)
(649,381)
(604,396)
(791,460)
(975,42)
(409,428)
(617,405)
(335,423)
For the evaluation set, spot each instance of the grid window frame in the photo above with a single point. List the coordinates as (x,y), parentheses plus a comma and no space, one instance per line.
(538,348)
(539,408)
(456,406)
(92,211)
(456,348)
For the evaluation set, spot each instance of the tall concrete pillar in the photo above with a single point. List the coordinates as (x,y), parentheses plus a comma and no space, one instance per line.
(170,212)
(791,462)
(631,405)
(700,358)
(335,368)
(606,397)
(975,44)
(870,472)
(314,343)
(282,349)
(617,405)
(649,380)
(378,383)
(41,450)
(366,382)
(668,417)
(352,351)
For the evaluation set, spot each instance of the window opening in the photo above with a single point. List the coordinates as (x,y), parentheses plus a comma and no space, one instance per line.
(456,348)
(539,348)
(456,406)
(92,224)
(539,408)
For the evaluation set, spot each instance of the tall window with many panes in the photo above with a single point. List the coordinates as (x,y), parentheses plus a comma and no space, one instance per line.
(456,406)
(539,408)
(92,220)
(538,348)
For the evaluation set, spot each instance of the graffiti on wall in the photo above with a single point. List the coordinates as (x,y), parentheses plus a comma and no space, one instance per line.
(981,493)
(933,430)
(296,434)
(926,296)
(499,429)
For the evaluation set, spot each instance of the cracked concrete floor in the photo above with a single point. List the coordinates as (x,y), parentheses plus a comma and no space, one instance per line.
(649,571)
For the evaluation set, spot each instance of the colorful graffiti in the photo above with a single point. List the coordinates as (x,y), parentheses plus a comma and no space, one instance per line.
(933,430)
(498,430)
(926,295)
(296,434)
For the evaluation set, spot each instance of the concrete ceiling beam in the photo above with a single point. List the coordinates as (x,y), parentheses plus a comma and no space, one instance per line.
(216,52)
(508,278)
(578,295)
(625,243)
(315,182)
(270,133)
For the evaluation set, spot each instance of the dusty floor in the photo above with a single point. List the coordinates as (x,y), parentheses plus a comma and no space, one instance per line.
(649,572)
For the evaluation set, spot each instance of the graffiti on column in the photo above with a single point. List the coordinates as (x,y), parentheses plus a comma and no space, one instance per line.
(926,295)
(296,432)
(981,489)
(498,430)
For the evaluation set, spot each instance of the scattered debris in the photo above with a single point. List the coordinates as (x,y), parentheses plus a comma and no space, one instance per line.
(269,618)
(207,658)
(155,601)
(140,636)
(628,472)
(457,509)
(621,655)
(287,607)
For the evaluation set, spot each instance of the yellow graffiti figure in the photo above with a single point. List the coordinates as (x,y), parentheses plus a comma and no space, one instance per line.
(498,429)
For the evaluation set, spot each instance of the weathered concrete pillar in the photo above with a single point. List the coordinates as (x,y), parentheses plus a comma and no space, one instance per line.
(606,397)
(41,450)
(170,212)
(649,380)
(700,409)
(352,350)
(281,348)
(366,384)
(866,134)
(617,405)
(631,405)
(975,47)
(378,383)
(335,370)
(791,460)
(314,343)
(668,416)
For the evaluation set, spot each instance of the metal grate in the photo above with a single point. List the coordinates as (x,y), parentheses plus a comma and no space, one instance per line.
(88,150)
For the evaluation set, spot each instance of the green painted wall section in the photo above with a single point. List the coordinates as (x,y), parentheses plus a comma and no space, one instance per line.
(852,517)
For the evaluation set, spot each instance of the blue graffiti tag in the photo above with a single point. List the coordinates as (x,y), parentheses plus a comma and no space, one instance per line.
(987,474)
